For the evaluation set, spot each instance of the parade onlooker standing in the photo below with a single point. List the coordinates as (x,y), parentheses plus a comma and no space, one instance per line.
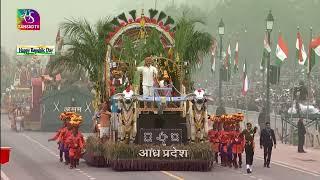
(249,145)
(301,134)
(267,140)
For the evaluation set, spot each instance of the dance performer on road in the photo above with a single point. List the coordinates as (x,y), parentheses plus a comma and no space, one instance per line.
(61,135)
(238,147)
(75,142)
(214,139)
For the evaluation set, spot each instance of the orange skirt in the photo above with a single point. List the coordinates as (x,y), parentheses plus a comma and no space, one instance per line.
(237,148)
(215,147)
(75,153)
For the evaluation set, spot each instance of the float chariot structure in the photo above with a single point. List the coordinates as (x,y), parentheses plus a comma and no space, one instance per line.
(166,131)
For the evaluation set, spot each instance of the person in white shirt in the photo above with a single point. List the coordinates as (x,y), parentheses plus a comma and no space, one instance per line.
(149,73)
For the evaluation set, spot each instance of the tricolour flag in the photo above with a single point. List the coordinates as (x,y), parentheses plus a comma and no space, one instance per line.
(281,51)
(245,81)
(301,53)
(236,58)
(265,54)
(227,59)
(263,61)
(314,48)
(213,56)
(266,44)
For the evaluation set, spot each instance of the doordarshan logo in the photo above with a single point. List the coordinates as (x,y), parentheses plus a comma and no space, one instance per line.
(28,20)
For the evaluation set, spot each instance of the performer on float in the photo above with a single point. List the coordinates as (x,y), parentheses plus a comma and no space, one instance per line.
(149,74)
(75,141)
(238,147)
(166,82)
(61,135)
(249,145)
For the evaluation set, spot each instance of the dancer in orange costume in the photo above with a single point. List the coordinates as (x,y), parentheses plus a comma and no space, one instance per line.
(214,139)
(60,137)
(75,142)
(238,147)
(224,147)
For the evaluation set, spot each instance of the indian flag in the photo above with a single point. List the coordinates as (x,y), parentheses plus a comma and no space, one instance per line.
(266,44)
(227,59)
(301,53)
(213,56)
(245,81)
(236,57)
(281,51)
(314,49)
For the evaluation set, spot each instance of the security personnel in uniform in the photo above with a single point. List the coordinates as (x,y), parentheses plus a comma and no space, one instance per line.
(248,135)
(267,140)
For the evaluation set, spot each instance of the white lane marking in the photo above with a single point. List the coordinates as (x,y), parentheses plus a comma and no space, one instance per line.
(50,151)
(92,178)
(253,177)
(35,141)
(292,167)
(4,176)
(78,169)
(172,175)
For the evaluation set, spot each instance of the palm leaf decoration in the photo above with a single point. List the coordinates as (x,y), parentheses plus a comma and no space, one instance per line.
(133,14)
(123,17)
(153,13)
(162,15)
(86,49)
(115,22)
(169,21)
(189,42)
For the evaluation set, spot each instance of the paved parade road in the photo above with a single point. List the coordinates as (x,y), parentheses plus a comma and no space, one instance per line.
(33,158)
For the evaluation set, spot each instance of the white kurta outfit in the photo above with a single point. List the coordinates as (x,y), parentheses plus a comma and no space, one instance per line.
(148,74)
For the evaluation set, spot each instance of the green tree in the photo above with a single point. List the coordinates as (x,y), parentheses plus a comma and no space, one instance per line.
(86,49)
(189,42)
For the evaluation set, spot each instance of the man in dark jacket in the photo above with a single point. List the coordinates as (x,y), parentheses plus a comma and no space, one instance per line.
(301,134)
(267,140)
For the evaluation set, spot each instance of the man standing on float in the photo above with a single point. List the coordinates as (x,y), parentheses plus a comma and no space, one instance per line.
(149,73)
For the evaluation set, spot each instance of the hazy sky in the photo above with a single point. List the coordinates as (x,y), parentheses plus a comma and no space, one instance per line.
(53,12)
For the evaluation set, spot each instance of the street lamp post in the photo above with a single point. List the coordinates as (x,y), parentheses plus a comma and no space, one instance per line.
(221,33)
(269,26)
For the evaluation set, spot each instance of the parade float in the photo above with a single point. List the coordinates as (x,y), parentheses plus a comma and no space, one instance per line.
(24,95)
(167,131)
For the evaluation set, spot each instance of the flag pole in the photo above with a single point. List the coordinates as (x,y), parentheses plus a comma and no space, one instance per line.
(247,74)
(292,101)
(308,76)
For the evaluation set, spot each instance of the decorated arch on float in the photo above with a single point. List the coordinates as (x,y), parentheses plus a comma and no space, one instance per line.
(137,28)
